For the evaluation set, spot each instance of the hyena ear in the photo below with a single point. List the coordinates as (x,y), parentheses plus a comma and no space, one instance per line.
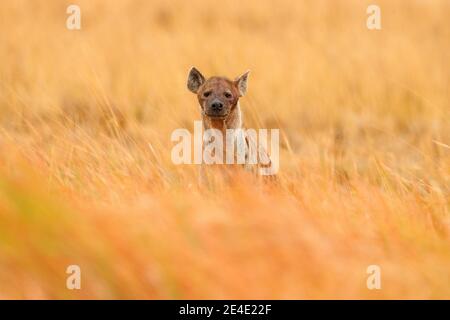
(195,80)
(241,83)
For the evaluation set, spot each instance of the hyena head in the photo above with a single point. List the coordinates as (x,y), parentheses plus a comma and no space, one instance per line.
(217,96)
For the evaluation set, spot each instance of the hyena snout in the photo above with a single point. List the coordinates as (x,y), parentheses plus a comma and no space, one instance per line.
(216,105)
(216,108)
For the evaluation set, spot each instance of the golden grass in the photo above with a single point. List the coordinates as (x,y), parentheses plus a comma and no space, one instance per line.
(86,176)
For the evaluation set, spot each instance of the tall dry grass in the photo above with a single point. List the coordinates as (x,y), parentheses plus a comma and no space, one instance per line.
(86,176)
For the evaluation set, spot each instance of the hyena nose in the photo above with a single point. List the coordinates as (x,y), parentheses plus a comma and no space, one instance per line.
(217,106)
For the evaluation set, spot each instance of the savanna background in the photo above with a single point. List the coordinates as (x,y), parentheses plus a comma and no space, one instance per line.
(86,176)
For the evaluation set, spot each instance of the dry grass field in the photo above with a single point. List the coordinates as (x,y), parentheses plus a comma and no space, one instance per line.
(86,176)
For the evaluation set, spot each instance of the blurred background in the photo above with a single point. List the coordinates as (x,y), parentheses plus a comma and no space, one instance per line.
(85,171)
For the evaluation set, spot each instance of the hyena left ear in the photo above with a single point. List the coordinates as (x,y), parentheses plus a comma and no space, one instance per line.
(195,80)
(241,83)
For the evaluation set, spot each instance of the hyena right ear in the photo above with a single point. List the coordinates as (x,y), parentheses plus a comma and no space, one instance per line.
(195,80)
(241,83)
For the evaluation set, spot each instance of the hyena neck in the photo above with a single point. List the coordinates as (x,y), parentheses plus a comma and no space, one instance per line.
(233,121)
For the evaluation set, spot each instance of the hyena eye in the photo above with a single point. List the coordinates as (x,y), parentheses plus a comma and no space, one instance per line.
(206,94)
(227,95)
